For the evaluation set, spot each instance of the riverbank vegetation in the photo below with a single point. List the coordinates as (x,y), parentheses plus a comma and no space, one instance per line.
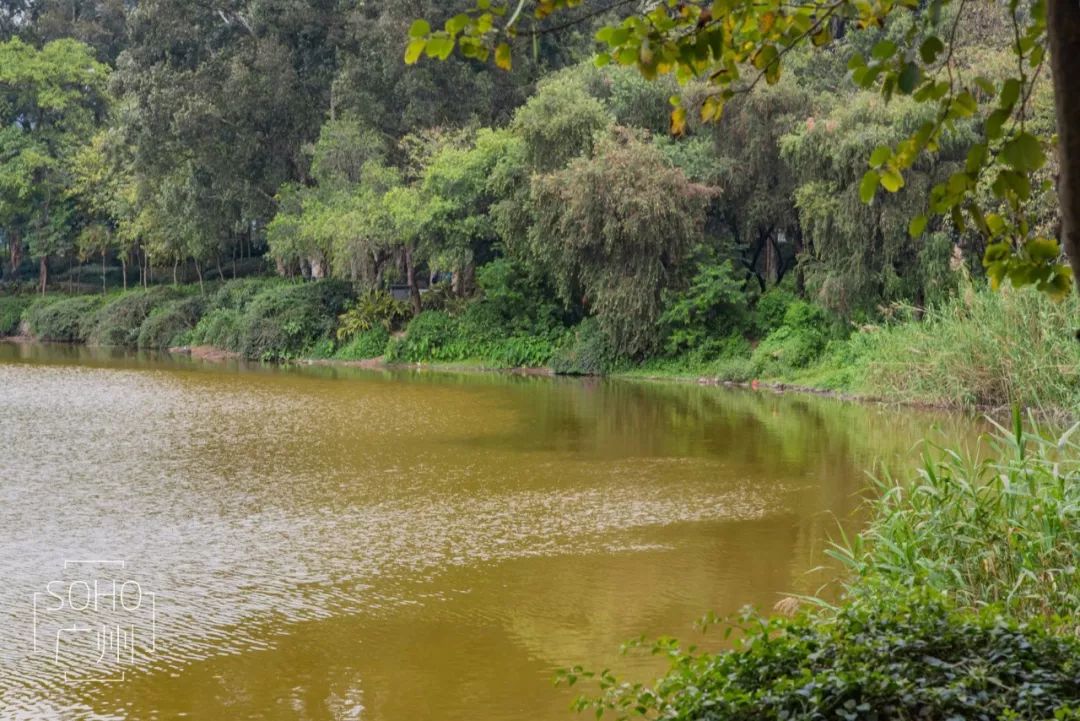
(962,601)
(456,213)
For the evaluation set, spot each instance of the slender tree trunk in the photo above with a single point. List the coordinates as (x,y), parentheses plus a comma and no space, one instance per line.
(198,272)
(16,253)
(103,288)
(43,272)
(410,276)
(175,267)
(123,268)
(220,272)
(1063,29)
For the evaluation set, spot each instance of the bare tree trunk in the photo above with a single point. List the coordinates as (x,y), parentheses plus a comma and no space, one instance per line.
(1063,29)
(16,253)
(43,272)
(104,290)
(123,268)
(198,272)
(220,272)
(175,266)
(410,275)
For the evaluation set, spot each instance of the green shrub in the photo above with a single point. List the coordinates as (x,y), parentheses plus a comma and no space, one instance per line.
(368,344)
(119,321)
(221,328)
(587,351)
(283,321)
(11,311)
(168,325)
(520,351)
(904,658)
(237,293)
(770,309)
(62,320)
(441,296)
(430,336)
(714,306)
(1003,529)
(374,309)
(519,297)
(798,341)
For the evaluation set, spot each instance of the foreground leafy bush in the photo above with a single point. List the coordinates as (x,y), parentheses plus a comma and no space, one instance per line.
(904,658)
(169,324)
(432,335)
(62,320)
(119,321)
(11,311)
(220,328)
(713,307)
(1001,530)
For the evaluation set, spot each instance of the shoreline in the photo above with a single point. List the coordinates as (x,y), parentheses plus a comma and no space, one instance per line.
(211,354)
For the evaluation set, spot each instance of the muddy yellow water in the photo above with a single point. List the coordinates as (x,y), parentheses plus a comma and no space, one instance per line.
(342,544)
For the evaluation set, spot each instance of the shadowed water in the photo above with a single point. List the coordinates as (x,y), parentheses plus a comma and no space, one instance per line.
(331,543)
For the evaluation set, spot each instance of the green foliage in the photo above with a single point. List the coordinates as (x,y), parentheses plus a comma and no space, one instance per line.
(366,344)
(61,319)
(374,309)
(119,321)
(11,312)
(997,529)
(978,349)
(221,328)
(798,341)
(559,123)
(281,322)
(430,336)
(169,324)
(904,657)
(713,306)
(615,229)
(587,351)
(770,309)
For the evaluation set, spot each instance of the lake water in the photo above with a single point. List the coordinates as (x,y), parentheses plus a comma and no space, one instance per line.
(331,543)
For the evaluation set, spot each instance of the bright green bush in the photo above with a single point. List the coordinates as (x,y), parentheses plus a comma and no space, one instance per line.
(430,336)
(798,341)
(770,309)
(712,307)
(367,344)
(905,658)
(119,321)
(169,324)
(61,319)
(237,293)
(221,328)
(283,321)
(11,311)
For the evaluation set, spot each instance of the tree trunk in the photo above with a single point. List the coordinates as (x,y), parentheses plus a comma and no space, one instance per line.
(410,276)
(16,253)
(104,289)
(175,267)
(1063,29)
(43,272)
(123,268)
(198,272)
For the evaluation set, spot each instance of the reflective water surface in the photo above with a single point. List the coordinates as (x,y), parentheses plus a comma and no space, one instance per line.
(331,543)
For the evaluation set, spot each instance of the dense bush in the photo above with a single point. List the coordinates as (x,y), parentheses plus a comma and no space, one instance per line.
(11,311)
(904,658)
(168,325)
(282,321)
(587,351)
(119,321)
(430,336)
(219,328)
(236,294)
(798,341)
(712,307)
(63,319)
(367,344)
(374,309)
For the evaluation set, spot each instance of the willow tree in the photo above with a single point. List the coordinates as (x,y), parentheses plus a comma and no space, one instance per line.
(733,45)
(614,229)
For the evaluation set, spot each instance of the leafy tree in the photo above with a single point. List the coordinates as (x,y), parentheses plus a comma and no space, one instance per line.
(51,102)
(733,46)
(614,230)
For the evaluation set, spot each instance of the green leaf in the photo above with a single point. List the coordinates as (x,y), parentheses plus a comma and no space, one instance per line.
(1042,250)
(419,29)
(883,50)
(868,186)
(880,156)
(412,52)
(1024,152)
(909,78)
(931,48)
(502,56)
(917,226)
(891,180)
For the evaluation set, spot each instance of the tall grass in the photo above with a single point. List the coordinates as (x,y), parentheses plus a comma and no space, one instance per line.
(1000,526)
(978,349)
